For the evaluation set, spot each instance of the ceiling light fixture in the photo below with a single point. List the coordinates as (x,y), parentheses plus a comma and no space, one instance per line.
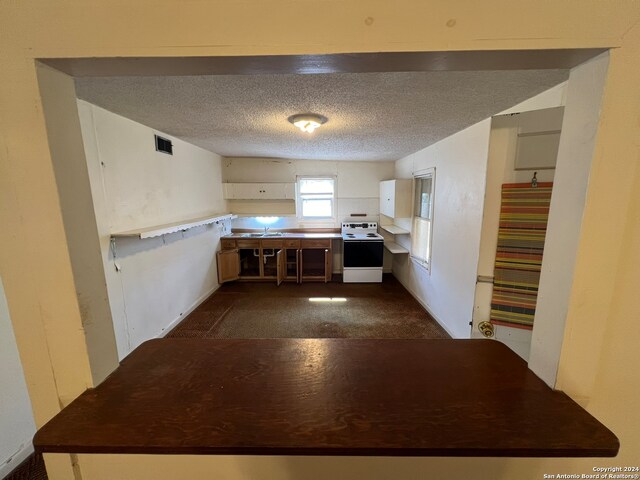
(307,122)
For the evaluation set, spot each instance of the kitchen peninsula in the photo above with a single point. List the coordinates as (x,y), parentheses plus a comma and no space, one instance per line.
(326,397)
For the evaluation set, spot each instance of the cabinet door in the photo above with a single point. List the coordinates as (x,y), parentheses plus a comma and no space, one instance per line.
(228,265)
(289,191)
(257,191)
(272,191)
(300,266)
(281,260)
(402,195)
(387,198)
(277,191)
(247,191)
(327,265)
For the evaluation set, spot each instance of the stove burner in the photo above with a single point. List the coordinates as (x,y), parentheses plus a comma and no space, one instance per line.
(350,235)
(372,234)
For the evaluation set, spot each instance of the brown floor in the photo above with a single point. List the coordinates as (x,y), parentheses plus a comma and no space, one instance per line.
(264,310)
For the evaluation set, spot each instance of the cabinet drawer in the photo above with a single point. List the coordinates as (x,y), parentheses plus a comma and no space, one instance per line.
(248,243)
(228,243)
(272,243)
(292,243)
(315,243)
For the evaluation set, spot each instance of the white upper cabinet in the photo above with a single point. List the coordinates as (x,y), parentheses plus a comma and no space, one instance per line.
(258,191)
(395,198)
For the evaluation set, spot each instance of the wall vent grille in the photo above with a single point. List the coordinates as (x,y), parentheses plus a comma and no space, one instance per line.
(163,145)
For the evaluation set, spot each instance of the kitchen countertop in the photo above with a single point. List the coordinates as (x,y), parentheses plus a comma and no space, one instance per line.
(326,397)
(287,235)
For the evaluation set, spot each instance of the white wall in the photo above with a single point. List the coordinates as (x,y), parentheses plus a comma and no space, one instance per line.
(152,283)
(461,162)
(537,113)
(576,150)
(553,97)
(357,185)
(358,191)
(16,419)
(69,161)
(447,291)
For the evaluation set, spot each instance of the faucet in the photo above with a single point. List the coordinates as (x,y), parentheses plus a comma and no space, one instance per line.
(266,229)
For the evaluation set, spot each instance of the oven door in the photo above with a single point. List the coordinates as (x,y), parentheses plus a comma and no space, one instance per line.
(363,254)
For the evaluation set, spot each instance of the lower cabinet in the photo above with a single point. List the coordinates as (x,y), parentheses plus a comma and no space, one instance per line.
(279,260)
(289,261)
(250,258)
(315,260)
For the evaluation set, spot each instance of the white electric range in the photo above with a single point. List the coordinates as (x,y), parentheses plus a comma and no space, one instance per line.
(363,250)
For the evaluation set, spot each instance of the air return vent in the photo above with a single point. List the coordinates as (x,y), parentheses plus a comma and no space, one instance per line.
(164,145)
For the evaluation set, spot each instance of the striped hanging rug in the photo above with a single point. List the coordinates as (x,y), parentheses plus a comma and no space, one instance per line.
(523,225)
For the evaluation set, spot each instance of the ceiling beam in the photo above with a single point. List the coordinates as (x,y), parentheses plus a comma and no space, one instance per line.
(333,63)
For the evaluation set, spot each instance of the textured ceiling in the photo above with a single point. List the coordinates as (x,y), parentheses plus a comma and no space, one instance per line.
(372,116)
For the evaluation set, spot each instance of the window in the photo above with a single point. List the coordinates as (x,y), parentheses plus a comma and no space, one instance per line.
(315,198)
(422,217)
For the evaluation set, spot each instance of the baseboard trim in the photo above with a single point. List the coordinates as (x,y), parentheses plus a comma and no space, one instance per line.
(163,333)
(424,305)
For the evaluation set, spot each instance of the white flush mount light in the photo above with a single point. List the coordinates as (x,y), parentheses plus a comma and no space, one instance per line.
(307,122)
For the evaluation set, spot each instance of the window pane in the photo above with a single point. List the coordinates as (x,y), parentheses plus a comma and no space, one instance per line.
(316,196)
(316,208)
(420,239)
(422,221)
(423,197)
(316,185)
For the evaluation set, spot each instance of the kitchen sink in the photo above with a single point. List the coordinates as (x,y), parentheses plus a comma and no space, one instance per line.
(262,235)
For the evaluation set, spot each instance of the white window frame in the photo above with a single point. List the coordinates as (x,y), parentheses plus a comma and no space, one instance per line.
(426,173)
(299,198)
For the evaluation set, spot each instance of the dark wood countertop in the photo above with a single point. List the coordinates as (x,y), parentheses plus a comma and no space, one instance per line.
(326,397)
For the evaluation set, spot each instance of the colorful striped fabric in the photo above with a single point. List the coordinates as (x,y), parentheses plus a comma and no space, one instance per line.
(523,226)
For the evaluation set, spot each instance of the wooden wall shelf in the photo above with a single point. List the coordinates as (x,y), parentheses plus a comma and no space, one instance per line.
(158,230)
(395,230)
(394,248)
(326,397)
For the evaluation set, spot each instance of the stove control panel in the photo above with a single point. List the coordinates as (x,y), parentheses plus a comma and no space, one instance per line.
(364,225)
(362,230)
